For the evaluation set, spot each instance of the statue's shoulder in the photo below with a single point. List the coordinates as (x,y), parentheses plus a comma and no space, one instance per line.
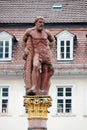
(47,31)
(29,30)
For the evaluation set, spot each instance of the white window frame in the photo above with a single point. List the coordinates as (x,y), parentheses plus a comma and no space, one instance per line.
(54,97)
(4,36)
(64,98)
(64,36)
(4,98)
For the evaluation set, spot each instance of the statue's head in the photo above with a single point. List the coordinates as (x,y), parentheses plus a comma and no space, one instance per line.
(39,22)
(39,18)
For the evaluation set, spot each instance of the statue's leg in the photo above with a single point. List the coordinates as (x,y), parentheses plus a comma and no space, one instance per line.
(47,72)
(44,81)
(35,72)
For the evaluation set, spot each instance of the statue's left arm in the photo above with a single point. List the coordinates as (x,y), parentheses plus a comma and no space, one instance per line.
(51,39)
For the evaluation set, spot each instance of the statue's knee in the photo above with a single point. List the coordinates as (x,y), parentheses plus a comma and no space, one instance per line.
(35,68)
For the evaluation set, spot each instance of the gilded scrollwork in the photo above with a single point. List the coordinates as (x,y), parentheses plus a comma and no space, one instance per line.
(37,106)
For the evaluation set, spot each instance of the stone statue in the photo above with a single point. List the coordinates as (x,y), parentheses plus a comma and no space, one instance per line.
(38,69)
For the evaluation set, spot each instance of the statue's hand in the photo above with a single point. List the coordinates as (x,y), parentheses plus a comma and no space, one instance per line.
(26,51)
(24,57)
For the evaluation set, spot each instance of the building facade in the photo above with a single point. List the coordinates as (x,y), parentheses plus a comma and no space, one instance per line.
(67,21)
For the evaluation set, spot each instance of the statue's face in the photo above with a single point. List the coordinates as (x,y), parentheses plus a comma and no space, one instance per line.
(40,25)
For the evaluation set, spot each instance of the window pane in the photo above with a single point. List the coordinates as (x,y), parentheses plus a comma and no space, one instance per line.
(6,55)
(68,92)
(68,110)
(68,106)
(4,105)
(1,49)
(68,49)
(68,89)
(7,43)
(62,49)
(1,43)
(60,92)
(1,55)
(60,105)
(67,55)
(67,43)
(5,89)
(60,100)
(4,92)
(62,55)
(6,49)
(62,43)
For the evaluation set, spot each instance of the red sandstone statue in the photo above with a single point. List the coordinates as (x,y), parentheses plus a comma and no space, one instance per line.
(38,69)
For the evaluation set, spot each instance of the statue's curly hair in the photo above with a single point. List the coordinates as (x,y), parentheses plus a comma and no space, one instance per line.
(39,17)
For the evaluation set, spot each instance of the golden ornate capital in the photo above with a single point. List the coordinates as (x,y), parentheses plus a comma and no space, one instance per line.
(37,106)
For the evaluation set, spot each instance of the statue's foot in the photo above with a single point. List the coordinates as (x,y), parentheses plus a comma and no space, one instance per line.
(31,92)
(42,92)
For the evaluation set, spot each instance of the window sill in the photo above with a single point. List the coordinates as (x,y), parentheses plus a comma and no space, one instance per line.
(85,115)
(23,115)
(5,114)
(65,61)
(5,61)
(64,115)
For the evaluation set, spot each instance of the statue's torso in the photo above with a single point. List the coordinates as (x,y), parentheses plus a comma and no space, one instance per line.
(41,45)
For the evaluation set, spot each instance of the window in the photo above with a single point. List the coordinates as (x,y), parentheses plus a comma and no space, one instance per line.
(4,94)
(57,7)
(65,46)
(5,46)
(64,100)
(4,49)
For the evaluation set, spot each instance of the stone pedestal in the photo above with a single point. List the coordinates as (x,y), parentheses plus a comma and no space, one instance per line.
(37,110)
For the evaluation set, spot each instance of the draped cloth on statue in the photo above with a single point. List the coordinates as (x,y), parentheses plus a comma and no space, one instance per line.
(28,66)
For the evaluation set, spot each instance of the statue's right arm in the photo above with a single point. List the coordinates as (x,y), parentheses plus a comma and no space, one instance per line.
(25,37)
(24,43)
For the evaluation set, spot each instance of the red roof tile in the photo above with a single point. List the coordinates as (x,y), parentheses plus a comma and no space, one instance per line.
(25,11)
